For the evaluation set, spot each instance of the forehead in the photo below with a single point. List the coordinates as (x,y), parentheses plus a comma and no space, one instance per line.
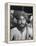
(21,17)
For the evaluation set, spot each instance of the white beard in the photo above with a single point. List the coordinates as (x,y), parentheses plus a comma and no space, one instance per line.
(17,34)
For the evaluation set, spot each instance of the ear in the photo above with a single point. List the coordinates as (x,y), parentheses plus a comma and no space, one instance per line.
(15,20)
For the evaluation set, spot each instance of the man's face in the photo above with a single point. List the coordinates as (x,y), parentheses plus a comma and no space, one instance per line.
(21,21)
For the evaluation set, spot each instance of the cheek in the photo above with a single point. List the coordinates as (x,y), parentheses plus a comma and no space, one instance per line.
(24,21)
(19,22)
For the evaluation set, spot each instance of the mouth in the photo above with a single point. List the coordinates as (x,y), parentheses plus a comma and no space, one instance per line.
(22,25)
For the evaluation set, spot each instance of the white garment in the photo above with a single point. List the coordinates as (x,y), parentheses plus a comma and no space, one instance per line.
(17,34)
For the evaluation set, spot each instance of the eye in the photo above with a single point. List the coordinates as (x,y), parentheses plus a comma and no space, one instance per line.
(23,18)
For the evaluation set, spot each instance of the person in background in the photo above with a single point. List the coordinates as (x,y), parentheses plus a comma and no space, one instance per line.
(30,27)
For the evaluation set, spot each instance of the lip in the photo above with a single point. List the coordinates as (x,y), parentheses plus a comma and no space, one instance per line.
(21,24)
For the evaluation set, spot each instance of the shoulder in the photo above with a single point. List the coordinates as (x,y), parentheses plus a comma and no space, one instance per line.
(14,29)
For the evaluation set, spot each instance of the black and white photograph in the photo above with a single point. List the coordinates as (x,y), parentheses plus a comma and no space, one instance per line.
(21,23)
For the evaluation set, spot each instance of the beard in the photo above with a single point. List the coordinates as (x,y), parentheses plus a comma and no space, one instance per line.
(21,27)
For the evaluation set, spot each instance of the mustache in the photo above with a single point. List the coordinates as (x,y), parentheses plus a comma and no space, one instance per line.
(21,24)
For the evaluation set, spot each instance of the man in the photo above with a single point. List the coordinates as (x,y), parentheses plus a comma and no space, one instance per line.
(19,32)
